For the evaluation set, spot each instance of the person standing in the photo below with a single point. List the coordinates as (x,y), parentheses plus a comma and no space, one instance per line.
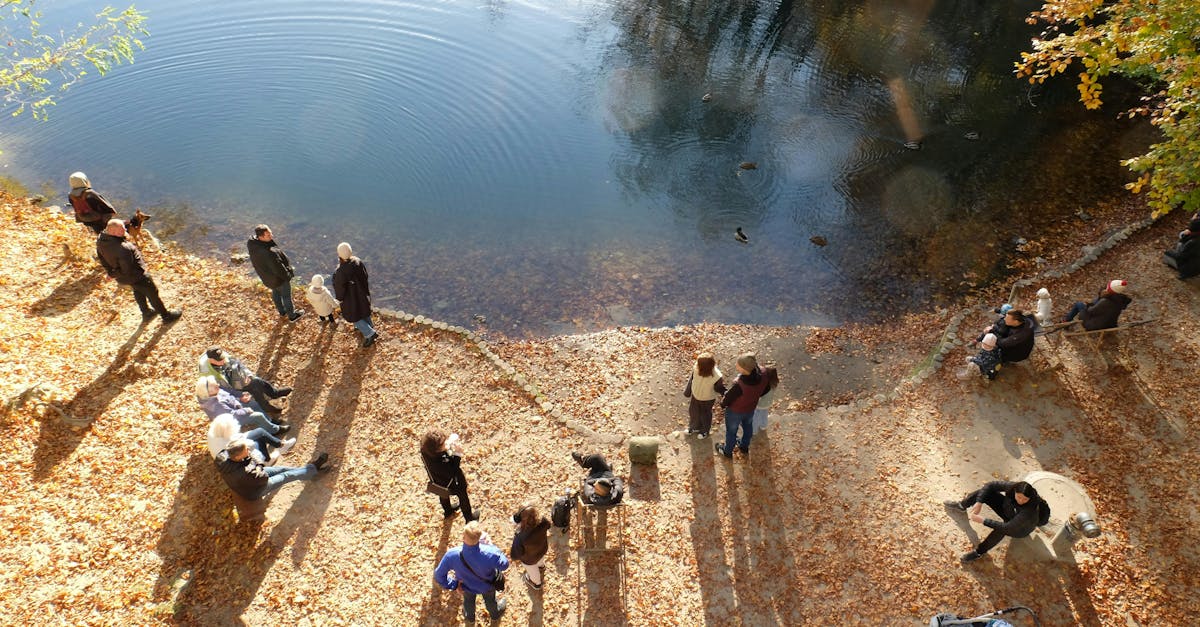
(321,300)
(442,455)
(352,290)
(530,543)
(703,387)
(1018,504)
(472,569)
(274,269)
(123,262)
(739,403)
(91,209)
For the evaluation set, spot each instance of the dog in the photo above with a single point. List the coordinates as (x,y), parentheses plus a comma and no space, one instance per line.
(134,230)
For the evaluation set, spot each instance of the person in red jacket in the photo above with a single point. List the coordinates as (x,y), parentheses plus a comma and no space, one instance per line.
(739,403)
(91,209)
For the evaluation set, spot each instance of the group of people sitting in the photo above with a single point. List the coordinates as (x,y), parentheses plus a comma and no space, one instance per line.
(1011,338)
(236,399)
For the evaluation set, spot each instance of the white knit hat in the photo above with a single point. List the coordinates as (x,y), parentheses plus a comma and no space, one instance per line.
(989,341)
(79,179)
(344,251)
(318,281)
(1118,286)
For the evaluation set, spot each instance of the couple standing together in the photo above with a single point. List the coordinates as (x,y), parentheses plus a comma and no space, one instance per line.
(740,401)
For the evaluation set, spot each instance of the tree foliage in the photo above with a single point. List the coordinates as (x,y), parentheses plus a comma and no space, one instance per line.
(1153,42)
(38,62)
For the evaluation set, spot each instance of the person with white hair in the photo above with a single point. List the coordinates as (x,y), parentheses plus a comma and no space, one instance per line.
(123,262)
(91,209)
(232,374)
(225,428)
(1105,311)
(323,303)
(352,290)
(217,401)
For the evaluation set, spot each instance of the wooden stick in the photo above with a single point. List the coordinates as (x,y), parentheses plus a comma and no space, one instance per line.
(1111,329)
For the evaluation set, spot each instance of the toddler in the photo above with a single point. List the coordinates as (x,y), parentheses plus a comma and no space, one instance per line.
(321,300)
(988,358)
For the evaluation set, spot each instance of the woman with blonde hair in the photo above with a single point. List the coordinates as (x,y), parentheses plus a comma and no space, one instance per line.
(530,543)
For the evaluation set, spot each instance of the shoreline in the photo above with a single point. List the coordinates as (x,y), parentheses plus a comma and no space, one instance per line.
(128,523)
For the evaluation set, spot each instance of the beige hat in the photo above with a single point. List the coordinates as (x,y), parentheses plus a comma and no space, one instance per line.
(318,281)
(79,179)
(344,251)
(1118,286)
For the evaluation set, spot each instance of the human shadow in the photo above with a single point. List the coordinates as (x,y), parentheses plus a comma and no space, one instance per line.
(439,607)
(707,543)
(67,295)
(56,440)
(341,405)
(603,589)
(274,349)
(963,522)
(1028,576)
(309,382)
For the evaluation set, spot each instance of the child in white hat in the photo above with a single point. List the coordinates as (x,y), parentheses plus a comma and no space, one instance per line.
(321,300)
(988,358)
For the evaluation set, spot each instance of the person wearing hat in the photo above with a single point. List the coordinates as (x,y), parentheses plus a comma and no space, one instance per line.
(1185,257)
(123,262)
(323,303)
(1014,335)
(1104,312)
(231,374)
(274,270)
(601,486)
(988,358)
(352,290)
(91,209)
(1016,502)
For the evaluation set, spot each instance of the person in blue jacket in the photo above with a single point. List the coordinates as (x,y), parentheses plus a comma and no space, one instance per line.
(472,569)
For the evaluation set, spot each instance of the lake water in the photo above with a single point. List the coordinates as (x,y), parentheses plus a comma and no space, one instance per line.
(555,166)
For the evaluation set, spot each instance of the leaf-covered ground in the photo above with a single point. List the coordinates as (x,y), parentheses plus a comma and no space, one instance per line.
(113,514)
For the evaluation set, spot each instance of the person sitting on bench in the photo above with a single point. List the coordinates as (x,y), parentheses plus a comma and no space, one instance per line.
(1014,336)
(1104,312)
(601,486)
(1185,257)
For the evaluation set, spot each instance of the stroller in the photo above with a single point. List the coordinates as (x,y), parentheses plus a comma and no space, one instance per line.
(983,620)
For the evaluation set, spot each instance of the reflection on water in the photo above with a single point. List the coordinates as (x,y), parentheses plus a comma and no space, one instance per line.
(554,166)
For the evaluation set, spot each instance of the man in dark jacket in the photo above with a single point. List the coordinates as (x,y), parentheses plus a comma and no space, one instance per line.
(1014,336)
(252,480)
(275,270)
(1105,311)
(1185,257)
(351,289)
(601,486)
(123,262)
(1017,503)
(231,374)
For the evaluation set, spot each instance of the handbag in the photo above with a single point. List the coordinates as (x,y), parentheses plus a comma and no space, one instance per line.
(687,391)
(497,580)
(440,490)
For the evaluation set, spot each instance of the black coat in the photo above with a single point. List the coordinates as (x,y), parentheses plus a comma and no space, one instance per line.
(1104,312)
(247,477)
(120,258)
(1018,520)
(1187,256)
(446,470)
(1015,343)
(270,262)
(350,287)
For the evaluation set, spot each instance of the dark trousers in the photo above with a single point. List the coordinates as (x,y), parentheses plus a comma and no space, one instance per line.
(262,439)
(263,392)
(145,292)
(596,465)
(464,502)
(700,416)
(995,501)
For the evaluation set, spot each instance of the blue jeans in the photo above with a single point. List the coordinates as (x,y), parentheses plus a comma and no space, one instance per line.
(489,601)
(364,326)
(279,476)
(1075,310)
(262,438)
(733,420)
(282,297)
(259,420)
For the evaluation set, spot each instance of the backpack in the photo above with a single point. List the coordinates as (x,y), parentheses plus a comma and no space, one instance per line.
(560,514)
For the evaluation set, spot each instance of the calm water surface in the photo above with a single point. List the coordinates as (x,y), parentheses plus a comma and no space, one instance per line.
(553,165)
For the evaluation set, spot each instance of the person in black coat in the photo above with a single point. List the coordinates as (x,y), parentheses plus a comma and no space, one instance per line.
(1105,311)
(91,209)
(123,262)
(442,455)
(1016,502)
(601,486)
(251,479)
(352,290)
(1014,335)
(274,269)
(1185,257)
